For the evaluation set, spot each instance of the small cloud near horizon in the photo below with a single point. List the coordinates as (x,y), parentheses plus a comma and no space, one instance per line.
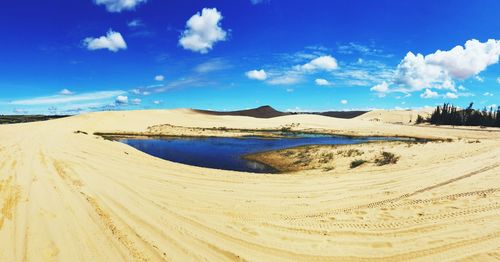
(66,92)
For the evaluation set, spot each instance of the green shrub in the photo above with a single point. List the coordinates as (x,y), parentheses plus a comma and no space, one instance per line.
(386,158)
(420,120)
(357,163)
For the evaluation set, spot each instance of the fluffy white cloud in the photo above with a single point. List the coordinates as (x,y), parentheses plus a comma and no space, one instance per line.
(121,100)
(498,80)
(343,101)
(381,88)
(136,101)
(117,6)
(322,82)
(113,41)
(65,92)
(462,62)
(487,94)
(327,63)
(440,69)
(157,102)
(159,78)
(203,31)
(257,74)
(429,94)
(414,73)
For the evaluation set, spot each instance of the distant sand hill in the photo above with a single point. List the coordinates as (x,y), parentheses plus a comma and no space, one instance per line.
(395,116)
(269,112)
(260,112)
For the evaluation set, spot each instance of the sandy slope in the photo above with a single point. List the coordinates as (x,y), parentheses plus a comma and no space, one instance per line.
(77,197)
(395,116)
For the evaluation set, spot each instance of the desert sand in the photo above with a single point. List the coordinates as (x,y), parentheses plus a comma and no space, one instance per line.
(67,196)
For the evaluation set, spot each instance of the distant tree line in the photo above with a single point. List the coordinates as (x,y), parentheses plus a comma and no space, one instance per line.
(451,115)
(14,119)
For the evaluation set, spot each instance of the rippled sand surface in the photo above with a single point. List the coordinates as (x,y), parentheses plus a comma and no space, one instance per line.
(67,196)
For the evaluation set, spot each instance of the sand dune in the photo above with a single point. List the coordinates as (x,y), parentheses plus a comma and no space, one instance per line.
(67,196)
(395,116)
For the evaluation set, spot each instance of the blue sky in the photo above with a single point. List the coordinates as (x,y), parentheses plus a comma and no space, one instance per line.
(78,56)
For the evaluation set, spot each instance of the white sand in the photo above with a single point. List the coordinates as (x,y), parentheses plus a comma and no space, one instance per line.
(77,197)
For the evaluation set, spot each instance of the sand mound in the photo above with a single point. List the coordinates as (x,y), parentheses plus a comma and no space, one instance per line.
(395,116)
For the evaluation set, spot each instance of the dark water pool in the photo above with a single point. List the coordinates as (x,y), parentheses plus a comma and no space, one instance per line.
(226,153)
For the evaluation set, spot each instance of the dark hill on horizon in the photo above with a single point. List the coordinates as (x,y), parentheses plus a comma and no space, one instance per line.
(259,112)
(16,119)
(270,112)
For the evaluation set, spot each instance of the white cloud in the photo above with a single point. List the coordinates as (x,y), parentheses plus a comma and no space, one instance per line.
(20,111)
(462,62)
(498,80)
(215,64)
(113,41)
(135,23)
(343,101)
(381,88)
(326,63)
(290,90)
(479,78)
(367,73)
(136,101)
(61,99)
(488,94)
(296,73)
(117,6)
(287,79)
(157,102)
(322,82)
(203,31)
(121,100)
(256,2)
(494,106)
(351,48)
(451,95)
(429,94)
(414,74)
(159,78)
(440,69)
(257,74)
(65,92)
(80,107)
